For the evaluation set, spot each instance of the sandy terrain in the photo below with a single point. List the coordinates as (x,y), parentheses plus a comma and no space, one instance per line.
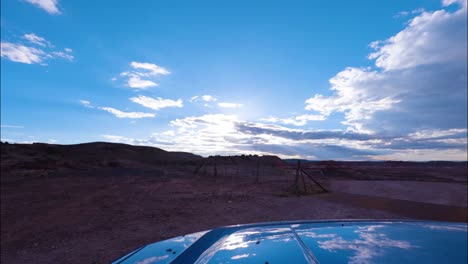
(94,214)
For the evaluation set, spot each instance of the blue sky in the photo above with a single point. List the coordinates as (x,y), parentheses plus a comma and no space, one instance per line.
(351,80)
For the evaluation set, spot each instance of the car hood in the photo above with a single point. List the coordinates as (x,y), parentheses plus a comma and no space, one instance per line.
(340,241)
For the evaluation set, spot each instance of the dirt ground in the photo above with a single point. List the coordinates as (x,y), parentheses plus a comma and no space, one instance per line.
(96,215)
(443,193)
(95,219)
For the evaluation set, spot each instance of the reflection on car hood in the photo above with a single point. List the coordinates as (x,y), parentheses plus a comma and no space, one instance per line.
(314,242)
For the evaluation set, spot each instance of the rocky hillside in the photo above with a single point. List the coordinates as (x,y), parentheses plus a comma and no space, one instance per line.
(46,158)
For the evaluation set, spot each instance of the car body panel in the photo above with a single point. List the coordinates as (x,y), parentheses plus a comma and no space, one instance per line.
(334,241)
(390,242)
(161,252)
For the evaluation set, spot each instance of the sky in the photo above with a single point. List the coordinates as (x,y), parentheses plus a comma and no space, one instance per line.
(320,80)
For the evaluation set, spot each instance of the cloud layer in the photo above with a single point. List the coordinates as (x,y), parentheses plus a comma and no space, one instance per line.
(227,134)
(410,106)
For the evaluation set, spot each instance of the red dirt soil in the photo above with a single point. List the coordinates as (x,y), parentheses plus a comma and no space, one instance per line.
(96,212)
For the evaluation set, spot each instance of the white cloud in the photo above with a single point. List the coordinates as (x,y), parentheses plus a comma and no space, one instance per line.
(68,50)
(205,99)
(354,97)
(456,228)
(151,260)
(152,69)
(240,256)
(451,2)
(431,38)
(402,14)
(436,133)
(63,55)
(156,103)
(135,81)
(229,105)
(369,244)
(86,103)
(20,52)
(420,82)
(169,133)
(418,11)
(212,119)
(16,141)
(121,114)
(297,120)
(208,98)
(207,135)
(142,75)
(33,38)
(50,6)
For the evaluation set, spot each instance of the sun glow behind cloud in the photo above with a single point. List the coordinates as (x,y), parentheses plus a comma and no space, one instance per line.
(393,86)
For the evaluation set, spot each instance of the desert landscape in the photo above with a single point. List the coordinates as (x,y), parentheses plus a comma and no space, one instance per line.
(94,202)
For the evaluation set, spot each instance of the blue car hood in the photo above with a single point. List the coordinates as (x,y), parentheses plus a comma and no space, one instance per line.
(314,242)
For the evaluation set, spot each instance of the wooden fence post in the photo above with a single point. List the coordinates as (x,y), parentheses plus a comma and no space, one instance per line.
(215,168)
(257,175)
(298,169)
